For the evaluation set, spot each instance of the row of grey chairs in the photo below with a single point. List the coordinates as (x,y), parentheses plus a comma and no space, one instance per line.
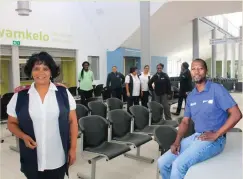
(99,131)
(154,112)
(144,119)
(111,137)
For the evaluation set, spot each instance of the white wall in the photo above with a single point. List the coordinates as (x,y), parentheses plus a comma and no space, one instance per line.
(114,22)
(90,28)
(44,19)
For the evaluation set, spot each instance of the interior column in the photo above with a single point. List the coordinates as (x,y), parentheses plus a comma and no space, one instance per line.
(145,33)
(14,78)
(195,39)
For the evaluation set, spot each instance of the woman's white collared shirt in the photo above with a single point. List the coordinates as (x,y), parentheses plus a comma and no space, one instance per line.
(144,81)
(136,84)
(50,153)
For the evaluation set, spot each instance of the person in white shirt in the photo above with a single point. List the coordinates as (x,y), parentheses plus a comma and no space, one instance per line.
(144,78)
(40,118)
(133,88)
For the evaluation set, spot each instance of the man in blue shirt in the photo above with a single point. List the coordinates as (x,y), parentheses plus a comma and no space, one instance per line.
(213,112)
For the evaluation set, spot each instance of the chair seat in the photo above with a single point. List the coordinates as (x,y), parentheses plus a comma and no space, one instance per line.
(136,139)
(111,150)
(172,123)
(148,130)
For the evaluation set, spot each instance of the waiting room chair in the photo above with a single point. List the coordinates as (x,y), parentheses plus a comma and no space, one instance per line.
(165,136)
(120,121)
(175,83)
(94,135)
(238,86)
(98,108)
(114,103)
(85,103)
(73,90)
(141,122)
(4,102)
(81,111)
(191,128)
(106,94)
(156,110)
(98,90)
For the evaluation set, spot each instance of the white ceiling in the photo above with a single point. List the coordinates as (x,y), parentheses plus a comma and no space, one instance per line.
(171,26)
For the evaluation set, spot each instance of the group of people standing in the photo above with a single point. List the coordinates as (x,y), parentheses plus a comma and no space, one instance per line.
(141,86)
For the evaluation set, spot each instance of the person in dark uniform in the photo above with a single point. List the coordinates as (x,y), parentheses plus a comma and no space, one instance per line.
(185,86)
(162,88)
(114,82)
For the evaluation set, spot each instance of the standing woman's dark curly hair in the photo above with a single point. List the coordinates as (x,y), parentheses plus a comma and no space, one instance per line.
(82,72)
(45,59)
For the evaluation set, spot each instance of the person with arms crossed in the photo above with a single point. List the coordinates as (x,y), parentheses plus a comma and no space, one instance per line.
(214,112)
(114,82)
(44,119)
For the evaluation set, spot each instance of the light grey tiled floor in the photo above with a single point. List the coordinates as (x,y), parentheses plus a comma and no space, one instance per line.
(118,168)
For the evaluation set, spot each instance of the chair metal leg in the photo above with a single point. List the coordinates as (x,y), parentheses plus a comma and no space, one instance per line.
(15,148)
(109,133)
(139,157)
(93,169)
(150,119)
(132,126)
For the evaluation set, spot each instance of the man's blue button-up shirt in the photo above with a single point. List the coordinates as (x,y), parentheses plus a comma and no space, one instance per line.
(208,109)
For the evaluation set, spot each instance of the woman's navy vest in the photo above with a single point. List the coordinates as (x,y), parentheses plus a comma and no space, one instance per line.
(28,157)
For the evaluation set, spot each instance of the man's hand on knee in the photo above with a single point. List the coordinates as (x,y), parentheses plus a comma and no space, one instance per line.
(175,148)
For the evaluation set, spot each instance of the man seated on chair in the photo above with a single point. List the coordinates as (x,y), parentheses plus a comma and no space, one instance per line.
(214,112)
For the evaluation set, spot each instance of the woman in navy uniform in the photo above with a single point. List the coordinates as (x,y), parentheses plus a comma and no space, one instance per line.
(43,117)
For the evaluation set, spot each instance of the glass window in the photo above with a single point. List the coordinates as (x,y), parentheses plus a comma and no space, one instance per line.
(95,66)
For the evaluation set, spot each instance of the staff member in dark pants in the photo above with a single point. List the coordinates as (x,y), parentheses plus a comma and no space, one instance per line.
(162,88)
(86,78)
(144,78)
(114,82)
(44,119)
(185,86)
(133,88)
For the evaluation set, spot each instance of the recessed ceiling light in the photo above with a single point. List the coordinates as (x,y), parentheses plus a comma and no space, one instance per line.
(23,8)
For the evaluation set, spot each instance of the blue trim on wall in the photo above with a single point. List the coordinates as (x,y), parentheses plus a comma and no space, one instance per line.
(116,58)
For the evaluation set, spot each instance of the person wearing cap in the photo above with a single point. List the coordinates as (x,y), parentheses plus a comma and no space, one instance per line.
(185,86)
